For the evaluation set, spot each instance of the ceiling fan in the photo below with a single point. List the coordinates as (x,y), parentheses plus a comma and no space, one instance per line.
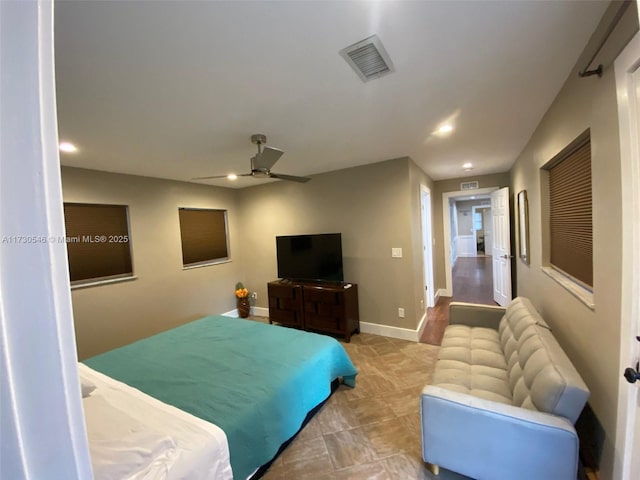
(262,163)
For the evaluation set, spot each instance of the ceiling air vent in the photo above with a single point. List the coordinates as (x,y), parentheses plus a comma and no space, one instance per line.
(368,58)
(469,185)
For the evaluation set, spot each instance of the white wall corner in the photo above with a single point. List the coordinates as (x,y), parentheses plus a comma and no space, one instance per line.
(439,293)
(444,292)
(422,325)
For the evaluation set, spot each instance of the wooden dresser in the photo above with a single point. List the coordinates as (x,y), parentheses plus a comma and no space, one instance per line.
(321,307)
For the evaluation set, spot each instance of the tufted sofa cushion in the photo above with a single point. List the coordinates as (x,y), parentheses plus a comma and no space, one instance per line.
(518,364)
(471,361)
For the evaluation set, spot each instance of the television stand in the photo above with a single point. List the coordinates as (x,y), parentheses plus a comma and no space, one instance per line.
(330,308)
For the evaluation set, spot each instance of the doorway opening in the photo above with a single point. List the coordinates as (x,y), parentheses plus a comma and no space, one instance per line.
(482,229)
(468,241)
(472,274)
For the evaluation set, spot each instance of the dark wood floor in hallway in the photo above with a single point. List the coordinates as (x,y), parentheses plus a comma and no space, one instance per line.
(472,279)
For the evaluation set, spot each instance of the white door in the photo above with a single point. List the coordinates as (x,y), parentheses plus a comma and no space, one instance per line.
(501,251)
(427,244)
(627,70)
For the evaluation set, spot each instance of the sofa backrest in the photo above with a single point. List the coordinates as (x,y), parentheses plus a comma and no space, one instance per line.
(541,375)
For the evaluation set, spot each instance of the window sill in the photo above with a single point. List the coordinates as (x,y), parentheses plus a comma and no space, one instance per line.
(205,264)
(107,281)
(578,291)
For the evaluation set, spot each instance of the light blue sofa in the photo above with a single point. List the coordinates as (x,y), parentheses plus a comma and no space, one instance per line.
(504,397)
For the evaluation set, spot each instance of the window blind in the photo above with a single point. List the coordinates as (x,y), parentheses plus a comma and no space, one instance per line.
(204,235)
(570,212)
(97,241)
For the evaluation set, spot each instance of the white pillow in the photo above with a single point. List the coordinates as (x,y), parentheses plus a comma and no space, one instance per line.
(123,448)
(141,454)
(87,387)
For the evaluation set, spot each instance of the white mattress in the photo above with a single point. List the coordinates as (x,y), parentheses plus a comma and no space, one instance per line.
(134,436)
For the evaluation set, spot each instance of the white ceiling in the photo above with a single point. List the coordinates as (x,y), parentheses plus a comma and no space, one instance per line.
(175,89)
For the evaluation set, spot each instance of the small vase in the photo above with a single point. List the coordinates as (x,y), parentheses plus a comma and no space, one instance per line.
(243,307)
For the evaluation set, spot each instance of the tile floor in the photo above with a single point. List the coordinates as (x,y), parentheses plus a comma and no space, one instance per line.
(371,432)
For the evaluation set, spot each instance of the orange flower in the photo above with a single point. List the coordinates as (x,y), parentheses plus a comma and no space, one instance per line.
(242,293)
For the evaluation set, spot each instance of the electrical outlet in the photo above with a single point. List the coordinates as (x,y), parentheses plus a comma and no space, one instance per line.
(254,295)
(396,252)
(421,304)
(401,312)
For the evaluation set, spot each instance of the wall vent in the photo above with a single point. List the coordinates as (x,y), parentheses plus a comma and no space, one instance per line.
(469,185)
(368,58)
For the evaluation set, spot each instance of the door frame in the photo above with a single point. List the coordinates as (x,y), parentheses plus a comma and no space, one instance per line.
(446,223)
(475,210)
(35,298)
(629,123)
(427,245)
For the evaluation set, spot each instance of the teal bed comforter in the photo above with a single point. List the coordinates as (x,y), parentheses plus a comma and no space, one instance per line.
(255,381)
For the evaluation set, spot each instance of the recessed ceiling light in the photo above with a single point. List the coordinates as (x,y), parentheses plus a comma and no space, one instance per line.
(67,147)
(467,166)
(444,129)
(232,176)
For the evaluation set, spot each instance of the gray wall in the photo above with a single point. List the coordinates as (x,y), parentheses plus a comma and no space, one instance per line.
(164,295)
(375,207)
(591,338)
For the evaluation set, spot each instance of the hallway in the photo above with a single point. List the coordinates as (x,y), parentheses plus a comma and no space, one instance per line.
(472,282)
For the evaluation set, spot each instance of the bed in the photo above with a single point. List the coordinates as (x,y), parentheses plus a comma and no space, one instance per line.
(255,381)
(134,436)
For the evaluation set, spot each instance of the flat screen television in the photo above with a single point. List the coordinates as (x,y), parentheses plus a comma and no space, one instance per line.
(315,257)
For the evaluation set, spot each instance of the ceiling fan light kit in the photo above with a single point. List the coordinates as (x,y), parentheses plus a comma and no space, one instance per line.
(262,163)
(259,139)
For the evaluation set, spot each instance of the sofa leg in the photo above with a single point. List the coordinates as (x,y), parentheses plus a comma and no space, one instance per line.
(433,468)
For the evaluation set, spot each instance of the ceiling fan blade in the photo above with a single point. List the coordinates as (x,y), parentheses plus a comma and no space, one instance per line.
(209,178)
(291,178)
(265,159)
(222,176)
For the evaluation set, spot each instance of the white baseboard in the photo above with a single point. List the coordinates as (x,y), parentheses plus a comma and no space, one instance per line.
(258,311)
(444,292)
(376,329)
(388,331)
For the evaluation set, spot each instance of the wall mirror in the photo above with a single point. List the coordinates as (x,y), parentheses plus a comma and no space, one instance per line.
(523,227)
